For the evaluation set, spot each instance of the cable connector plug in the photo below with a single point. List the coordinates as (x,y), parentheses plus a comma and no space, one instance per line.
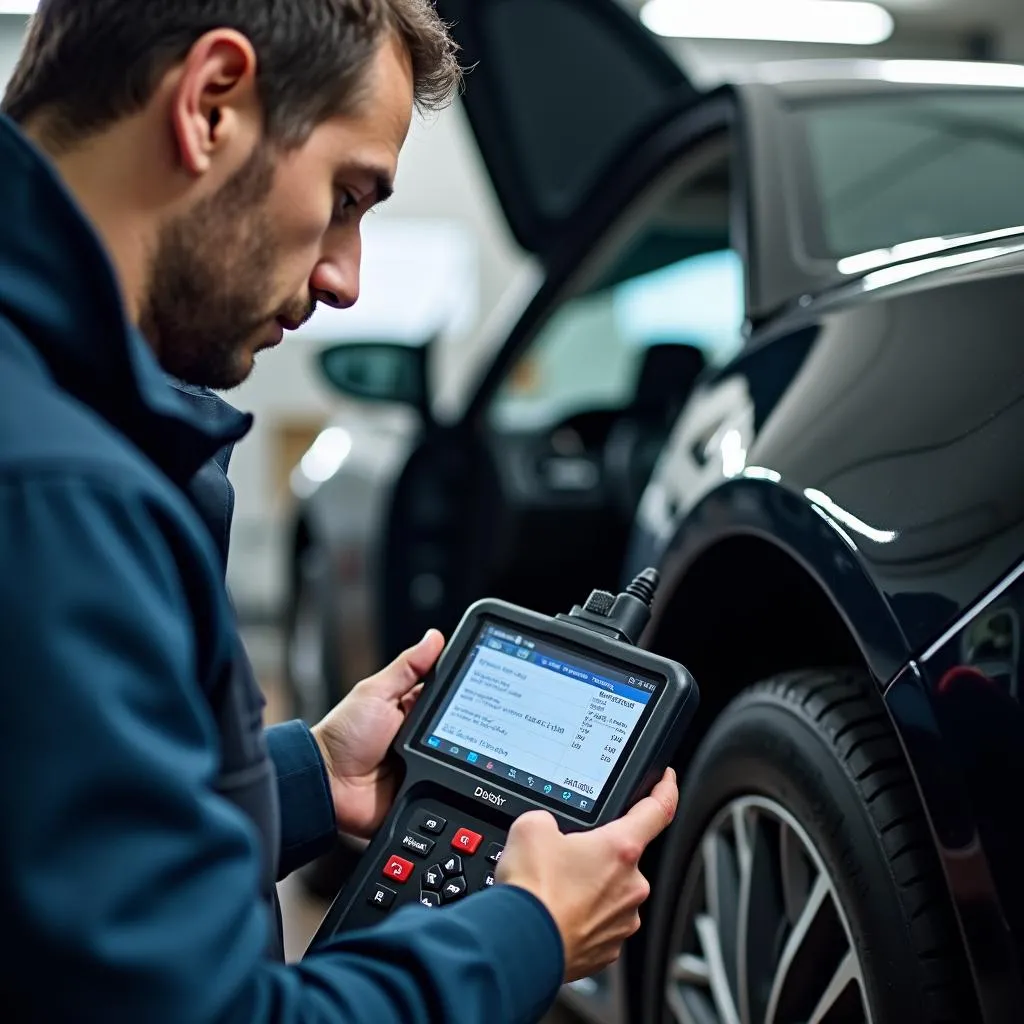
(632,608)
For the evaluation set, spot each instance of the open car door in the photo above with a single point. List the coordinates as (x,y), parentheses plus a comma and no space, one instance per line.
(516,501)
(556,91)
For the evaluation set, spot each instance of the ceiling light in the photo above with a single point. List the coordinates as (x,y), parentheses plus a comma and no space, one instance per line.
(18,6)
(849,22)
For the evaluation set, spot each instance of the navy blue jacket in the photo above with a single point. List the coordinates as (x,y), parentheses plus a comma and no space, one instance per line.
(144,813)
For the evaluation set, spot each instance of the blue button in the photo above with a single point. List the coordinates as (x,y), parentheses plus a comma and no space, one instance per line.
(566,795)
(472,758)
(434,742)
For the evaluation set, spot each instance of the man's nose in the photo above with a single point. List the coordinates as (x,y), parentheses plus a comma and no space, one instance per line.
(335,279)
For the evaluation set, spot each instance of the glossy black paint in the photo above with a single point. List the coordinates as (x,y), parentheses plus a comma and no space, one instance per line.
(878,431)
(559,89)
(945,754)
(871,438)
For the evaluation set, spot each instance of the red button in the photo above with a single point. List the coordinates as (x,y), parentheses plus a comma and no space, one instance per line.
(466,841)
(398,870)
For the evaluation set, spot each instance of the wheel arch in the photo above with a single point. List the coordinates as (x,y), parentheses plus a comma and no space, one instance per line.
(702,618)
(723,583)
(752,542)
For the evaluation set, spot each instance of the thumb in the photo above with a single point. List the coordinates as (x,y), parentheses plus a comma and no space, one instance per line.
(406,671)
(647,818)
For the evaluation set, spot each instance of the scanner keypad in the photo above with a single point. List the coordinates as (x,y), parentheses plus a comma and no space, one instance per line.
(465,853)
(452,866)
(420,845)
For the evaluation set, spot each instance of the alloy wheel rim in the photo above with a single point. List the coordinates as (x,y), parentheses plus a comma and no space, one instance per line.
(760,936)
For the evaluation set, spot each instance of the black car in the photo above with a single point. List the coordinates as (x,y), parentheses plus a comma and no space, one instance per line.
(771,348)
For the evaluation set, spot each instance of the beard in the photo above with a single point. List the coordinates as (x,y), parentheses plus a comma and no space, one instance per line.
(210,275)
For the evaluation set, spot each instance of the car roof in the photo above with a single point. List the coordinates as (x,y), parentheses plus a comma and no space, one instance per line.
(773,90)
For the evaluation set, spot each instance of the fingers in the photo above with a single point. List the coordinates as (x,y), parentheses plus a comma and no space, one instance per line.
(408,702)
(533,823)
(649,817)
(406,671)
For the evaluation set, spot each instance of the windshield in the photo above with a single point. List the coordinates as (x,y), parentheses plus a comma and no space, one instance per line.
(902,168)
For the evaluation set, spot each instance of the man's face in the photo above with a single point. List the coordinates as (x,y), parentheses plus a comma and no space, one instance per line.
(251,261)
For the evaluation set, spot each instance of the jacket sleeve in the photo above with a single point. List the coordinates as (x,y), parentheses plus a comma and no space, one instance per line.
(124,877)
(308,826)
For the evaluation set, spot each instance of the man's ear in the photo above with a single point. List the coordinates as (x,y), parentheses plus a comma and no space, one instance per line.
(215,105)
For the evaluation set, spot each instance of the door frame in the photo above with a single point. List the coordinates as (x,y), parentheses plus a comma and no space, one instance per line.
(610,214)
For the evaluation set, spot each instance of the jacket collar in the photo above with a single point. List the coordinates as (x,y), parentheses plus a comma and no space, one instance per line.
(59,289)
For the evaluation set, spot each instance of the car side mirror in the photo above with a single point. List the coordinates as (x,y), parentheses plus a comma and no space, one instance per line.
(379,372)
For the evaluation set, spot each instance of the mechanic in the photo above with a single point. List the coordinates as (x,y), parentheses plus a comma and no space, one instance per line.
(183,182)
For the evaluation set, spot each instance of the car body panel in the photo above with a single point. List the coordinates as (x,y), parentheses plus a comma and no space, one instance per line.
(868,436)
(557,90)
(921,382)
(957,709)
(946,755)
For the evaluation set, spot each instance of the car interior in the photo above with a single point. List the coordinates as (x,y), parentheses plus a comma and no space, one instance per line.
(573,430)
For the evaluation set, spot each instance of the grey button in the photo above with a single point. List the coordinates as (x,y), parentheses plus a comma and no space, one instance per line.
(419,845)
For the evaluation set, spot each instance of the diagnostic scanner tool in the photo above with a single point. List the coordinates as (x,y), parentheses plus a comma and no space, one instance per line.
(522,712)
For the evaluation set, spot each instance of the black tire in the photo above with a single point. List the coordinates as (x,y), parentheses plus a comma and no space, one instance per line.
(819,745)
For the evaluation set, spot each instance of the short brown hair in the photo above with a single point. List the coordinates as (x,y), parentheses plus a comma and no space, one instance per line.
(86,63)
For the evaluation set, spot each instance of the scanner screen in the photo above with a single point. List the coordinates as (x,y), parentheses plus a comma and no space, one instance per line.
(538,716)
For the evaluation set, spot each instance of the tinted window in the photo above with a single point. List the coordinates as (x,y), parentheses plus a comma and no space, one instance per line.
(591,353)
(665,299)
(911,167)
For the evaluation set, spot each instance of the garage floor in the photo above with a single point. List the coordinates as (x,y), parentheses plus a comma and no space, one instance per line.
(301,913)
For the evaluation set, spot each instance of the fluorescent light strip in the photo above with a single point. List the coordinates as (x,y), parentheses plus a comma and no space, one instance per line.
(849,22)
(18,6)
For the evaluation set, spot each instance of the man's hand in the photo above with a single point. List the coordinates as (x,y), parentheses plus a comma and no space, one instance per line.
(355,737)
(590,882)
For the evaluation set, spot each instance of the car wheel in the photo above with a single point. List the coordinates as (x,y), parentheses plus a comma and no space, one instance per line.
(311,687)
(799,882)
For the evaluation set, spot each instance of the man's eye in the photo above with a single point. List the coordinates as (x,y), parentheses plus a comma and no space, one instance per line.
(344,205)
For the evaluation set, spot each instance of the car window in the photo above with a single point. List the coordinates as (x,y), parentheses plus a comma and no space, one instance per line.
(590,354)
(676,281)
(905,168)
